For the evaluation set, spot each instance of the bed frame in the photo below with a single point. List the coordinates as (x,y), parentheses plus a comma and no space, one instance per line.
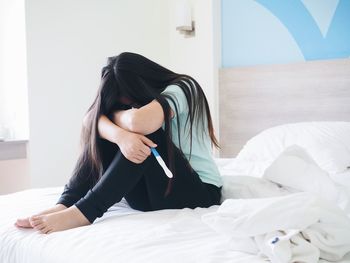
(252,99)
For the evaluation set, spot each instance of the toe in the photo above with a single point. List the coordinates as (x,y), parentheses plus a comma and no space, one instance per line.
(39,227)
(36,223)
(19,220)
(35,220)
(35,217)
(23,222)
(44,230)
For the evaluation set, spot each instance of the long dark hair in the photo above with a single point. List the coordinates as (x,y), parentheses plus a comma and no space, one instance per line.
(141,80)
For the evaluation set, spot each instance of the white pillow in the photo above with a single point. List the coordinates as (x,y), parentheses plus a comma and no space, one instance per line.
(328,143)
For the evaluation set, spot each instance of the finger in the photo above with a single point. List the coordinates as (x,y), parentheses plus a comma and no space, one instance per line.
(137,161)
(134,159)
(140,158)
(140,152)
(148,142)
(145,150)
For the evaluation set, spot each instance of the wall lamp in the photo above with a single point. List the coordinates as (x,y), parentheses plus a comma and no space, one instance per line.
(184,23)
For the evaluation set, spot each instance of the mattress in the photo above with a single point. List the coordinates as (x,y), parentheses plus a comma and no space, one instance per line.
(121,235)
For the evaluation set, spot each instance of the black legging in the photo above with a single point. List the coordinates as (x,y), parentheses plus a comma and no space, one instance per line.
(143,185)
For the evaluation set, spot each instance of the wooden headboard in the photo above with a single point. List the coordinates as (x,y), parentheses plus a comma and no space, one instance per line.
(252,99)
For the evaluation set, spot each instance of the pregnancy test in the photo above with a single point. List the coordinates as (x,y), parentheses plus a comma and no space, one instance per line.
(161,163)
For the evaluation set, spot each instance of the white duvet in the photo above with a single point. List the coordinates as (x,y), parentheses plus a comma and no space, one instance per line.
(294,213)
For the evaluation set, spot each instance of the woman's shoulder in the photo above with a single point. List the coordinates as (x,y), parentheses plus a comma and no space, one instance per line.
(175,92)
(176,89)
(177,98)
(172,88)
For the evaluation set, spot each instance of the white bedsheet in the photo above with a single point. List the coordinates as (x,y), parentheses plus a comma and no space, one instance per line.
(121,235)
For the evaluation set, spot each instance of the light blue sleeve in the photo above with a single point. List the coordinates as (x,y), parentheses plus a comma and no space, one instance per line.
(176,93)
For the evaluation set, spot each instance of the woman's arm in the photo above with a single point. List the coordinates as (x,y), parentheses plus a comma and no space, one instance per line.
(106,128)
(144,120)
(135,147)
(109,131)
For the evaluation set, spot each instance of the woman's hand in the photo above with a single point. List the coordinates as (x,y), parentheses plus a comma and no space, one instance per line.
(135,147)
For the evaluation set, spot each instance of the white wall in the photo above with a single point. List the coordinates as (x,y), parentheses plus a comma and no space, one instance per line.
(68,42)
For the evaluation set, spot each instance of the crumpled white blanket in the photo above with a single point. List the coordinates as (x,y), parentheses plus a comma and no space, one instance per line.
(303,220)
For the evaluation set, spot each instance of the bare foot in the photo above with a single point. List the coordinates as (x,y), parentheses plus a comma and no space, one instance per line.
(58,221)
(25,223)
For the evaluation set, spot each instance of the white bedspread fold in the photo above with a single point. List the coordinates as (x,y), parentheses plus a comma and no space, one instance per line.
(299,227)
(298,214)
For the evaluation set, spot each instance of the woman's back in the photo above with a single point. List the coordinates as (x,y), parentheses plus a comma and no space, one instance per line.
(200,154)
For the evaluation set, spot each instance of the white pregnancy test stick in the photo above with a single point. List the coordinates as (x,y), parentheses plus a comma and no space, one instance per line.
(161,163)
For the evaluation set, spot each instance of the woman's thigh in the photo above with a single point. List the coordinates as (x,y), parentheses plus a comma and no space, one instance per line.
(138,198)
(187,189)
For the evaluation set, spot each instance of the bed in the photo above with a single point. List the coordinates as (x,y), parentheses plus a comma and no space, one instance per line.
(121,235)
(288,126)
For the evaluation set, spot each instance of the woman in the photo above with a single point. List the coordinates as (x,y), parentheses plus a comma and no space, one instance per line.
(140,105)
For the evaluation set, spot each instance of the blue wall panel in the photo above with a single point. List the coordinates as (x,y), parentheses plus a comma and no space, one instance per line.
(275,31)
